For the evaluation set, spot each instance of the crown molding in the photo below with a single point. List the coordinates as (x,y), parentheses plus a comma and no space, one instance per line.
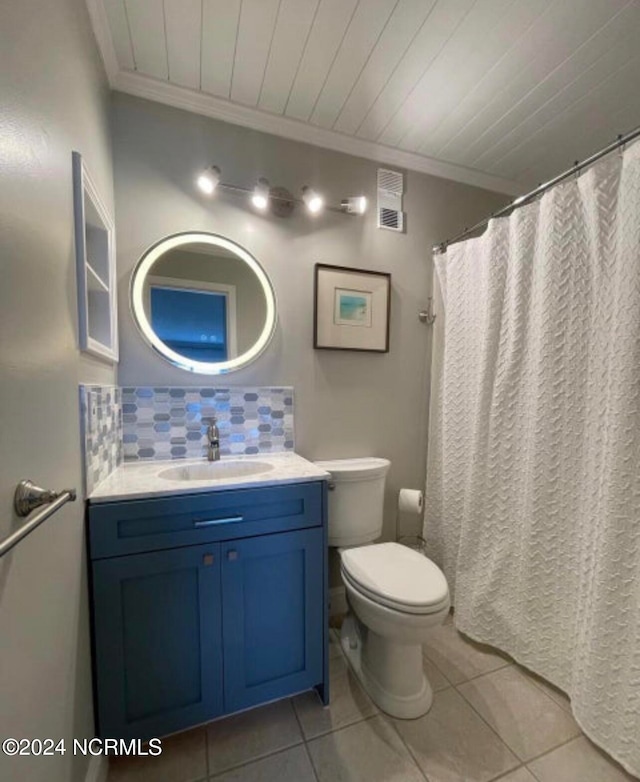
(221,109)
(100,24)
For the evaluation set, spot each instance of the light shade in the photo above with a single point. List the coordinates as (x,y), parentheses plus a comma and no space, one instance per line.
(208,180)
(260,195)
(312,200)
(356,205)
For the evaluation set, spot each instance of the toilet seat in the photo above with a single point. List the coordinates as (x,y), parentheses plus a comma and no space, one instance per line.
(397,577)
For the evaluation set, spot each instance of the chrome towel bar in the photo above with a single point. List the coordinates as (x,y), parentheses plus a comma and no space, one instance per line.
(27,498)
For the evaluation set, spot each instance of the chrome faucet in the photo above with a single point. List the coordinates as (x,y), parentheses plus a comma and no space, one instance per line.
(213,435)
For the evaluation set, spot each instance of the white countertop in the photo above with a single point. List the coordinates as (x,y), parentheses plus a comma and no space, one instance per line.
(142,480)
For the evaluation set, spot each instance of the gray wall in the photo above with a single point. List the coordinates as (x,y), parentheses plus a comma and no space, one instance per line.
(53,100)
(347,404)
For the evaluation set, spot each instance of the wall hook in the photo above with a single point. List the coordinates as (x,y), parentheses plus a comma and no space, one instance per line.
(428,316)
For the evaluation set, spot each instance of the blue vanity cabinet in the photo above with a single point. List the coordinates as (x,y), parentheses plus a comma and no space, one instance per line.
(206,604)
(272,609)
(158,641)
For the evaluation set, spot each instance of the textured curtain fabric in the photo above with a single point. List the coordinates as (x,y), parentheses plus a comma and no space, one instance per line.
(533,477)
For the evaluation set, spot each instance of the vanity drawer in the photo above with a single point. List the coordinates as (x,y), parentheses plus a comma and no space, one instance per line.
(133,526)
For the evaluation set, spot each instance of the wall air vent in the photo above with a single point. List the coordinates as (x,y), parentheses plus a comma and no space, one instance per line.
(390,190)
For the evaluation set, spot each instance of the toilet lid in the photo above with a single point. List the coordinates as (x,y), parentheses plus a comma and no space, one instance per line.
(367,468)
(397,576)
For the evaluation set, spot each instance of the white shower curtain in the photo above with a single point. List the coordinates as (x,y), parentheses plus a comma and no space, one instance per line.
(533,477)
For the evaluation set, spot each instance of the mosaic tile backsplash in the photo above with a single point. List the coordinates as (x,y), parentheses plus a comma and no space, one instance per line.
(101,426)
(171,423)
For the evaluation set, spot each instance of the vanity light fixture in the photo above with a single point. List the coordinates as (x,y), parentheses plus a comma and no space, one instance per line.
(356,205)
(312,200)
(209,179)
(277,200)
(260,195)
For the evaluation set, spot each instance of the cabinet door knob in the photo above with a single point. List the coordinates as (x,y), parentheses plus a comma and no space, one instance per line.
(232,555)
(207,559)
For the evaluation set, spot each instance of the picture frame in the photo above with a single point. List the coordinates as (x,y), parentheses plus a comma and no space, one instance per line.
(351,309)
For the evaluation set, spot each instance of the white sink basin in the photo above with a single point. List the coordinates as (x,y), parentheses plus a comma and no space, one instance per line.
(212,471)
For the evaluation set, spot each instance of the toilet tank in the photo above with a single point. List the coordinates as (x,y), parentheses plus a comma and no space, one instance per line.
(356,497)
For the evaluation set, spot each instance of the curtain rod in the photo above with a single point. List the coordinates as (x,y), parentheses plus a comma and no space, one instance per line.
(524,199)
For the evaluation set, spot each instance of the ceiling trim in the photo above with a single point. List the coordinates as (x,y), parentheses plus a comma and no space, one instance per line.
(101,30)
(221,109)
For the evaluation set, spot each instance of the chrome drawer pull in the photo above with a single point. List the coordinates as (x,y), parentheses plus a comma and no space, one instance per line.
(211,522)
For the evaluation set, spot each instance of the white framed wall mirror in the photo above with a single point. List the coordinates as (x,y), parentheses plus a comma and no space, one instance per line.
(203,303)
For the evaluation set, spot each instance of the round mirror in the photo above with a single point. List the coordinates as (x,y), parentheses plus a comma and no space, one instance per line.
(203,303)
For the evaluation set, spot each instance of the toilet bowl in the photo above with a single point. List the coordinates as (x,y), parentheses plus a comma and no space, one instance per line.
(394,594)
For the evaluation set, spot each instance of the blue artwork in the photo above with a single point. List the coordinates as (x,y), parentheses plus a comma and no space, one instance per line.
(352,308)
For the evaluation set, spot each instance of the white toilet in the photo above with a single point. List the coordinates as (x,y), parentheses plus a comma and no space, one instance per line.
(395,594)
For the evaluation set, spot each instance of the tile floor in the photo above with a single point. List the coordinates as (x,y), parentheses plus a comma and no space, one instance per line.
(490,720)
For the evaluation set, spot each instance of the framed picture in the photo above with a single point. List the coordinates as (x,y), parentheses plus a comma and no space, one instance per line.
(351,309)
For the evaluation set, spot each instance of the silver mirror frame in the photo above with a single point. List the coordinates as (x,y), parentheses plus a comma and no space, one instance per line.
(136,303)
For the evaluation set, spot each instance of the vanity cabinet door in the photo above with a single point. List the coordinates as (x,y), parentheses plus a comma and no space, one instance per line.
(273,616)
(158,648)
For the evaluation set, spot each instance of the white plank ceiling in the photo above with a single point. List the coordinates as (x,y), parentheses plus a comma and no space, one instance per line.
(500,93)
